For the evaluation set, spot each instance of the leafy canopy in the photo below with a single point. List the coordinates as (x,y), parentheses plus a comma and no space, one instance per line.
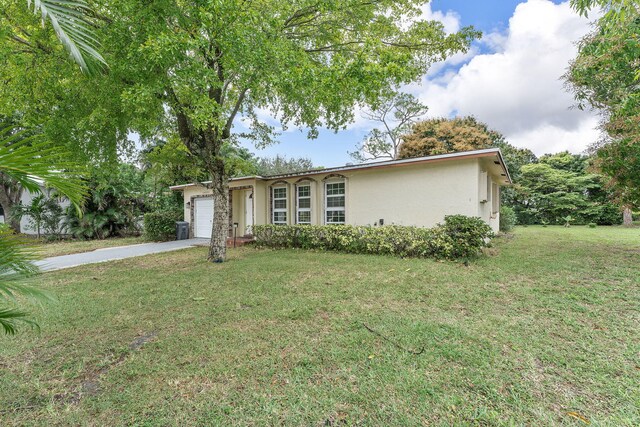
(42,89)
(441,136)
(282,165)
(606,76)
(561,185)
(308,63)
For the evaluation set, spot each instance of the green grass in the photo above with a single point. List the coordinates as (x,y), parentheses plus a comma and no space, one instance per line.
(542,331)
(66,247)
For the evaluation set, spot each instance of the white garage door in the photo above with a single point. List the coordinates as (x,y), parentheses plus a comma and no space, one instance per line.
(203,217)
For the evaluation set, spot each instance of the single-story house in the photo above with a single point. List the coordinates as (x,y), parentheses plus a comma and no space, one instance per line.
(417,192)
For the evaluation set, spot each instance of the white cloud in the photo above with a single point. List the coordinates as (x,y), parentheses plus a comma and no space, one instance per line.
(450,20)
(517,88)
(548,138)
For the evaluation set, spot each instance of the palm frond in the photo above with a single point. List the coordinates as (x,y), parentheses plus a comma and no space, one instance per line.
(9,318)
(31,161)
(69,20)
(15,264)
(15,258)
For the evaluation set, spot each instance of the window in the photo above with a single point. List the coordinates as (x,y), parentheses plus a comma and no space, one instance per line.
(304,204)
(279,205)
(334,202)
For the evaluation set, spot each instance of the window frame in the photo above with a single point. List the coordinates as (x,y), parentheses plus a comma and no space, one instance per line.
(327,196)
(275,210)
(495,198)
(298,208)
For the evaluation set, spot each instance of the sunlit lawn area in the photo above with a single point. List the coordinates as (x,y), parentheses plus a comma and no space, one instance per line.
(543,330)
(67,247)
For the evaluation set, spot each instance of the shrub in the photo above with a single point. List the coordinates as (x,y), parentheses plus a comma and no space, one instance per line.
(161,225)
(458,238)
(508,219)
(592,225)
(469,235)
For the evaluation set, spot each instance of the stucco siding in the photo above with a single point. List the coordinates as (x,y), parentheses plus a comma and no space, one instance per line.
(412,194)
(418,196)
(190,192)
(260,201)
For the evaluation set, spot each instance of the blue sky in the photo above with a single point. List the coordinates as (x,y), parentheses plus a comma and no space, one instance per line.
(487,15)
(510,79)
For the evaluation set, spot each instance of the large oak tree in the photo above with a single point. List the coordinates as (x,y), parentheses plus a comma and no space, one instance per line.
(199,65)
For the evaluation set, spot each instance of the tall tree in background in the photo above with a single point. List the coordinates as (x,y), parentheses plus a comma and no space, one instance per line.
(167,162)
(442,136)
(10,196)
(281,165)
(560,185)
(395,114)
(606,76)
(514,158)
(307,62)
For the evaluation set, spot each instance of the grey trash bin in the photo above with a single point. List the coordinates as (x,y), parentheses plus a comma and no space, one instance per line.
(182,230)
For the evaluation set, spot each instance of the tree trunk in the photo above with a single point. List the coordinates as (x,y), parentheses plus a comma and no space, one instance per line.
(627,217)
(206,145)
(10,195)
(220,229)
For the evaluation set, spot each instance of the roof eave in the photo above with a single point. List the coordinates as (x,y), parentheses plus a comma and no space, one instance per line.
(375,165)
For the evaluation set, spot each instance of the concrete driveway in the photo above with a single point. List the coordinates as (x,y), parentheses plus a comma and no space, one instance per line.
(112,254)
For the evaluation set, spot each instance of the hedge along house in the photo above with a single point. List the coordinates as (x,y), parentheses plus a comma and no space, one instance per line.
(414,192)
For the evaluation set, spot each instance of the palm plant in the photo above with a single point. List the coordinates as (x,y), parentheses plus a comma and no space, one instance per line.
(69,20)
(15,264)
(31,161)
(44,214)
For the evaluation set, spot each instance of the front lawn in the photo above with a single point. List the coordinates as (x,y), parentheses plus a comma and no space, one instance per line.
(544,330)
(46,249)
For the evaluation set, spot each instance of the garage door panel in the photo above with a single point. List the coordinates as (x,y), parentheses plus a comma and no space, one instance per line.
(203,217)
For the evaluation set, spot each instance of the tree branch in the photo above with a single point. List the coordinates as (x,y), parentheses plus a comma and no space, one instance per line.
(226,133)
(333,47)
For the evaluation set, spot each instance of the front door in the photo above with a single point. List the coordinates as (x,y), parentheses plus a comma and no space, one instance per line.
(248,211)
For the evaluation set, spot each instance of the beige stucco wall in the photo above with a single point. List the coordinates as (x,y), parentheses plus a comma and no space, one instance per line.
(413,195)
(417,195)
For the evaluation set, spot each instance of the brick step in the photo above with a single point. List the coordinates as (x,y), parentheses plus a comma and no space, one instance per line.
(239,241)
